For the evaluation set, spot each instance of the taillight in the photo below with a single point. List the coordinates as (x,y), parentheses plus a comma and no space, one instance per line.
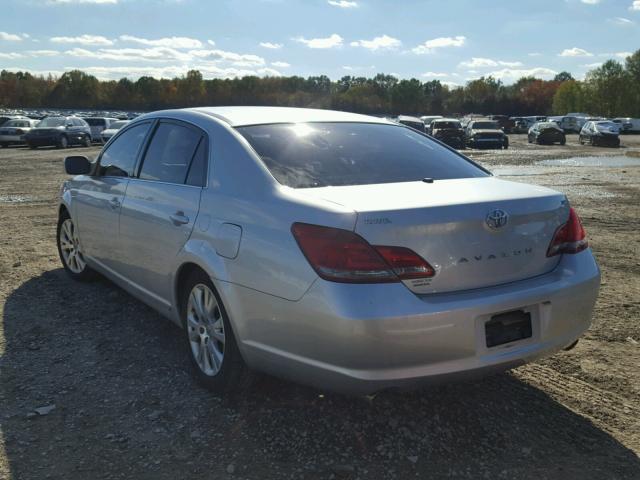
(343,256)
(569,238)
(406,263)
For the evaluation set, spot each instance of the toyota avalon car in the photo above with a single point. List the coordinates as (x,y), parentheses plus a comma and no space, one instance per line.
(339,250)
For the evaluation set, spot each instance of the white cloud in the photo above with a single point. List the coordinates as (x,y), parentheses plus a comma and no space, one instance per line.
(534,54)
(435,74)
(450,84)
(590,2)
(207,70)
(171,42)
(9,37)
(97,40)
(332,41)
(479,62)
(593,65)
(237,59)
(272,46)
(575,52)
(431,45)
(131,54)
(11,55)
(635,6)
(384,42)
(62,2)
(510,74)
(622,21)
(211,42)
(280,64)
(622,55)
(342,3)
(43,53)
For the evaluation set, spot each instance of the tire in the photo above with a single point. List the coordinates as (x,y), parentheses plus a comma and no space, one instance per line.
(63,142)
(86,142)
(211,345)
(563,140)
(70,250)
(505,144)
(529,140)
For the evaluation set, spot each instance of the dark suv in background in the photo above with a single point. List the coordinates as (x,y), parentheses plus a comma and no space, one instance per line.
(485,134)
(449,131)
(60,132)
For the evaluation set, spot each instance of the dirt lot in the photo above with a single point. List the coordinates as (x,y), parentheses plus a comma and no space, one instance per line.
(126,406)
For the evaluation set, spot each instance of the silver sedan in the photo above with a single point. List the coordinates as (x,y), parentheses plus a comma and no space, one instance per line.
(338,250)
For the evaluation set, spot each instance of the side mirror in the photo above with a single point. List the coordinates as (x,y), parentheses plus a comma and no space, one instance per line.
(77,165)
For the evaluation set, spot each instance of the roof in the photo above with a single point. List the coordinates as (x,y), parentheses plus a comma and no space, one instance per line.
(446,120)
(408,118)
(242,116)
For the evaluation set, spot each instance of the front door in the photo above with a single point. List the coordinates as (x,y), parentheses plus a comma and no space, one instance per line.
(99,198)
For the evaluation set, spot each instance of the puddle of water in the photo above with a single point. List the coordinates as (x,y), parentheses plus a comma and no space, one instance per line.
(16,198)
(592,162)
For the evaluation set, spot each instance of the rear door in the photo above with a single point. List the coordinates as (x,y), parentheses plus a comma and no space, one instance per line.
(98,198)
(161,205)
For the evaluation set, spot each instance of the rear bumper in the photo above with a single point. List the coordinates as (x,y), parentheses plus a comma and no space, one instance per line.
(363,338)
(11,138)
(41,141)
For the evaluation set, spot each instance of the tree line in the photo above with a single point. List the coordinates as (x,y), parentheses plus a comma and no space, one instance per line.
(612,89)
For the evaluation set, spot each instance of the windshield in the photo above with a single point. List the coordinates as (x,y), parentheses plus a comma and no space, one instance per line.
(95,122)
(448,125)
(549,125)
(17,123)
(606,124)
(119,124)
(335,154)
(52,122)
(485,125)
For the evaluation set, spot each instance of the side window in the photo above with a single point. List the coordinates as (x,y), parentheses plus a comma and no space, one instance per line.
(198,171)
(170,152)
(119,159)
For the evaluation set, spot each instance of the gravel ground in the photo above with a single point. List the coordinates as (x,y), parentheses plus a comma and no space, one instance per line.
(93,384)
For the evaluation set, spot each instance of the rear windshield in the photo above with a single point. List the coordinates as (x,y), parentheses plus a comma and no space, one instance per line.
(17,123)
(52,122)
(118,124)
(96,122)
(437,125)
(485,125)
(307,155)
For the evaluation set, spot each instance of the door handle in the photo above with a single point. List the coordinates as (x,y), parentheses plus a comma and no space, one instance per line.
(179,218)
(114,203)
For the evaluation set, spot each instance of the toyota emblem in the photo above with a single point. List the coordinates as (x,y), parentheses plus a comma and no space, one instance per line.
(497,219)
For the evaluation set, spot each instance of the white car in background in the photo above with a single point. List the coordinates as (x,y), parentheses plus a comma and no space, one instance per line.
(106,135)
(13,131)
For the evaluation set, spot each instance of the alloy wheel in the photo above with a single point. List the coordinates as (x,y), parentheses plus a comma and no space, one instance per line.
(205,328)
(70,247)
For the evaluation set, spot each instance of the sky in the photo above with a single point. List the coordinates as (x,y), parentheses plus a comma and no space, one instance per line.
(453,41)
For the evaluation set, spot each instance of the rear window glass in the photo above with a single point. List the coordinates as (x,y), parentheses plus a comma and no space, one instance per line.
(96,122)
(332,154)
(53,122)
(437,125)
(485,125)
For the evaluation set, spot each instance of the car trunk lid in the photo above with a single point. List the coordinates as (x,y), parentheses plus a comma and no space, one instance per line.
(453,225)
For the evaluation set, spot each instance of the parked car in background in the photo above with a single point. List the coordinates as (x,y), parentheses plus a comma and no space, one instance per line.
(413,122)
(5,118)
(485,134)
(449,131)
(505,123)
(520,125)
(13,131)
(113,129)
(427,119)
(546,133)
(602,133)
(335,249)
(97,125)
(60,132)
(567,124)
(628,124)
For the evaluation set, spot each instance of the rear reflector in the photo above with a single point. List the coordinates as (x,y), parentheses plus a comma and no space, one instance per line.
(569,238)
(343,256)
